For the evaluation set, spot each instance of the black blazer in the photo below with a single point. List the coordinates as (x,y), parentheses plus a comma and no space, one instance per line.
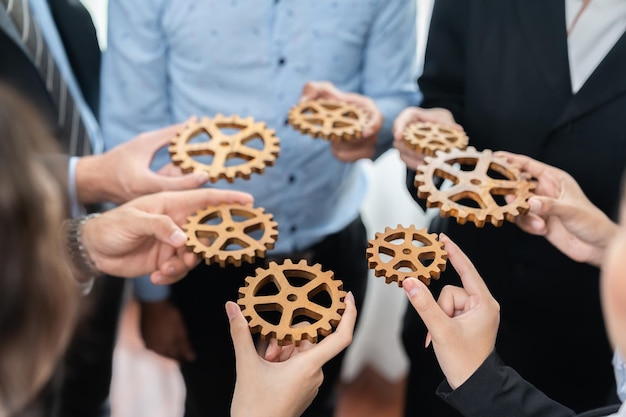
(79,37)
(498,390)
(501,67)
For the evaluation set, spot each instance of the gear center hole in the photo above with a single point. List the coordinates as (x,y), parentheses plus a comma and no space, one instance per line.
(230,229)
(292,297)
(406,251)
(476,181)
(224,143)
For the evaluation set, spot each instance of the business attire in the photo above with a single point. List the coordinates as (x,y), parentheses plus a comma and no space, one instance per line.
(514,79)
(49,53)
(171,59)
(498,390)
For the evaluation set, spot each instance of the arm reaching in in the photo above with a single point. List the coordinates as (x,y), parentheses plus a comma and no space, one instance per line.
(124,173)
(355,149)
(143,236)
(562,213)
(285,386)
(463,323)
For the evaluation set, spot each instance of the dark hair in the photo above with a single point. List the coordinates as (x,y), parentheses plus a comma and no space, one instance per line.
(38,296)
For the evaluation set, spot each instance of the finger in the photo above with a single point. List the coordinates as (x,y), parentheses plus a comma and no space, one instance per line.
(179,182)
(424,303)
(472,282)
(402,121)
(240,334)
(160,226)
(526,164)
(452,300)
(532,224)
(318,89)
(159,138)
(272,353)
(340,338)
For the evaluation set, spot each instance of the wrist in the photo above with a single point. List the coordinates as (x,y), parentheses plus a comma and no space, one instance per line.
(90,182)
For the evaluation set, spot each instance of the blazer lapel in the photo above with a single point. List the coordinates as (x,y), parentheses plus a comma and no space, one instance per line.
(543,26)
(605,83)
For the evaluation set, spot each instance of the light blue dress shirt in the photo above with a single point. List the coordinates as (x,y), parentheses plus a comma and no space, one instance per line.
(170,59)
(42,15)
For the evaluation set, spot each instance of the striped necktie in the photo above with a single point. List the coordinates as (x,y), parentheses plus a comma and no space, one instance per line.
(74,136)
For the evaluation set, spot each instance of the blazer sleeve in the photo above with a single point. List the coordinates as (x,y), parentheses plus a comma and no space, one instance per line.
(442,79)
(497,390)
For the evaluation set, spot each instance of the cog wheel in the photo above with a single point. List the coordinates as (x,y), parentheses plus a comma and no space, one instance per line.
(479,183)
(328,119)
(225,155)
(277,300)
(427,138)
(230,234)
(416,254)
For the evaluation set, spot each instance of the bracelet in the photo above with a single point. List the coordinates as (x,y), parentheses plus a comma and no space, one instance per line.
(81,261)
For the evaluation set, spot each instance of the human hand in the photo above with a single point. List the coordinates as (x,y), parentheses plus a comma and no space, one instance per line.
(353,150)
(123,173)
(164,331)
(562,213)
(143,236)
(285,386)
(412,158)
(463,323)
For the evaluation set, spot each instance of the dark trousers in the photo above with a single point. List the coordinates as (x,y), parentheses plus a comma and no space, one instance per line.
(201,296)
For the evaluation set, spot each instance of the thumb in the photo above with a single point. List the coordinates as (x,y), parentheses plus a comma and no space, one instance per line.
(240,333)
(162,227)
(423,302)
(177,183)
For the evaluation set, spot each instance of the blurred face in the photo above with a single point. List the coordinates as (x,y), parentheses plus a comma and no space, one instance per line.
(613,284)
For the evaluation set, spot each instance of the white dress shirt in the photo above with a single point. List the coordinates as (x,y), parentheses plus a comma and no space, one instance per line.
(592,35)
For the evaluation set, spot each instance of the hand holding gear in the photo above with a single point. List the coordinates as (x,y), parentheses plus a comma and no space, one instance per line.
(406,252)
(230,234)
(276,299)
(250,149)
(480,182)
(427,138)
(328,119)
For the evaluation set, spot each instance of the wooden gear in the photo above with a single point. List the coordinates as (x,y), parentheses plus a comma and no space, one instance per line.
(472,196)
(427,138)
(291,301)
(225,234)
(232,155)
(424,261)
(328,119)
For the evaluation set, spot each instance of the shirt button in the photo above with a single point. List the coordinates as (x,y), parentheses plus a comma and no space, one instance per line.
(292,179)
(293,229)
(281,61)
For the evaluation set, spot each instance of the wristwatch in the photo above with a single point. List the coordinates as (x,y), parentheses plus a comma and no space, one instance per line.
(81,262)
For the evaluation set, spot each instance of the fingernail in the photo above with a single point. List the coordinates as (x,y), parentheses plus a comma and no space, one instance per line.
(170,270)
(231,310)
(178,238)
(157,278)
(350,297)
(535,205)
(410,287)
(202,177)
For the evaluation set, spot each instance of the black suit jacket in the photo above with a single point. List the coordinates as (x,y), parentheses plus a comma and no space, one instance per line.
(501,67)
(498,390)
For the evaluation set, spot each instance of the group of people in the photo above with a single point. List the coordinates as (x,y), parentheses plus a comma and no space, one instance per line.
(533,78)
